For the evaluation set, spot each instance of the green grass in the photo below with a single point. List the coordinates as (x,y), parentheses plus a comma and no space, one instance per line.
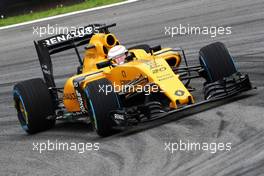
(55,11)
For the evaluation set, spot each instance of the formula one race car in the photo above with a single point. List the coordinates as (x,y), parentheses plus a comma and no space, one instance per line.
(151,82)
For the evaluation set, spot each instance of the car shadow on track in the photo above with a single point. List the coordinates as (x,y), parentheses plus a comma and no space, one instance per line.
(73,126)
(180,115)
(82,127)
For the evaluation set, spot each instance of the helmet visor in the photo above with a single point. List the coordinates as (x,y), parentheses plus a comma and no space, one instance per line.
(120,59)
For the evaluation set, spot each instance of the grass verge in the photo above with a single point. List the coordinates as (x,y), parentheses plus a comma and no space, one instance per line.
(55,11)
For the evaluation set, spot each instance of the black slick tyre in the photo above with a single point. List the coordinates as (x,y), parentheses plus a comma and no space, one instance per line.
(100,104)
(34,105)
(216,61)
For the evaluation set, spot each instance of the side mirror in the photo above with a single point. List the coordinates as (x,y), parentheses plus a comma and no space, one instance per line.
(155,48)
(130,57)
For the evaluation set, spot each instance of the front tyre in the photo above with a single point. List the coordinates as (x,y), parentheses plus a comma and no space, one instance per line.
(217,62)
(34,105)
(100,104)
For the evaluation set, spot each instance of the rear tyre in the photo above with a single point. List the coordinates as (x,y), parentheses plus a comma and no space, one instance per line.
(34,104)
(100,104)
(217,62)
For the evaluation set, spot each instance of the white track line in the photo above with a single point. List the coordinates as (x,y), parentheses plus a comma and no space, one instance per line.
(68,14)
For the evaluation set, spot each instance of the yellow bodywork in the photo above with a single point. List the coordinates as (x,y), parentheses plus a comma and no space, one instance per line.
(154,67)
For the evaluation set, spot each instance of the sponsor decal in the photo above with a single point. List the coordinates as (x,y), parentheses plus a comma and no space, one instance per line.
(179,92)
(157,70)
(45,69)
(79,96)
(69,96)
(119,117)
(123,73)
(80,100)
(80,32)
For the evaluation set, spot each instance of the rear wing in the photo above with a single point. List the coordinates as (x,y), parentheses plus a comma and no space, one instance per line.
(59,43)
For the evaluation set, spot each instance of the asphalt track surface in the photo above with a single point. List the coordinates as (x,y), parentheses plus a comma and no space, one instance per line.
(142,152)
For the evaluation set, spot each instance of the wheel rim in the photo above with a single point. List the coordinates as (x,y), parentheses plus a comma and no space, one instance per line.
(91,110)
(22,113)
(206,68)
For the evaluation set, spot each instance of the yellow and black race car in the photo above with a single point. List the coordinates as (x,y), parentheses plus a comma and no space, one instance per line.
(150,83)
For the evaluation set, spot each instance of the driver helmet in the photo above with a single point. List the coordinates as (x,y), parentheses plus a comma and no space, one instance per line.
(118,54)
